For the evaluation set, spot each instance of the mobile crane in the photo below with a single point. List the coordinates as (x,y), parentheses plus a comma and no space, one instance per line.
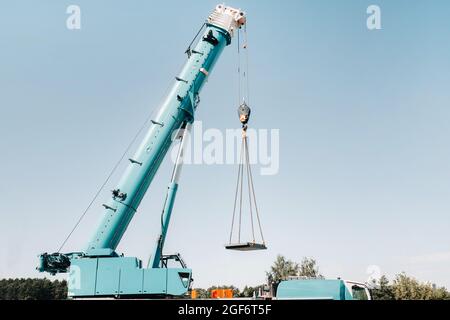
(99,271)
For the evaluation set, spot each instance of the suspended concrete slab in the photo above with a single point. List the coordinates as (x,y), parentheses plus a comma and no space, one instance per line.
(246,246)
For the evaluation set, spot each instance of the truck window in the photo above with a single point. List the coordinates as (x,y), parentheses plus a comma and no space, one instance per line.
(359,293)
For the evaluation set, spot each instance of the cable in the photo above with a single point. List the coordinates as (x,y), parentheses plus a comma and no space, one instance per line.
(107,179)
(239,66)
(247,65)
(249,188)
(244,162)
(236,194)
(240,203)
(256,206)
(188,50)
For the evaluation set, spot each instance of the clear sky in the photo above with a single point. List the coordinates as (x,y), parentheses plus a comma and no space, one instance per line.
(363,116)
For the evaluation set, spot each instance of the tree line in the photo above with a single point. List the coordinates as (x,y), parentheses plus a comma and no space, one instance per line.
(404,287)
(32,289)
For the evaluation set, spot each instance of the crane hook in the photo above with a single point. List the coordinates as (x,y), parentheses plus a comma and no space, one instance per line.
(244,114)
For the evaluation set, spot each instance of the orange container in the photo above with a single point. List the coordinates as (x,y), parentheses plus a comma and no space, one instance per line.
(222,293)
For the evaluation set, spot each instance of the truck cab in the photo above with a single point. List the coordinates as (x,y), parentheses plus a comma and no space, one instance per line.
(321,289)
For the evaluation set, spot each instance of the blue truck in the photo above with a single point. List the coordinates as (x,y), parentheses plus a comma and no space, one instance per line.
(321,289)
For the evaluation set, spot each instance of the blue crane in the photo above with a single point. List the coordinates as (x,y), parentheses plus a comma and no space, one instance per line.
(99,271)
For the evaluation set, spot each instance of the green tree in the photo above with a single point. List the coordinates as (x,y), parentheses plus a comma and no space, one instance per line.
(60,290)
(249,292)
(381,289)
(282,269)
(408,288)
(440,293)
(308,268)
(405,287)
(32,289)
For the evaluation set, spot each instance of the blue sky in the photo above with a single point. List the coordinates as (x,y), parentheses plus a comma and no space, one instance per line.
(363,117)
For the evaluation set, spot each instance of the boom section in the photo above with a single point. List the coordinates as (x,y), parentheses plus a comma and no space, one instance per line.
(178,108)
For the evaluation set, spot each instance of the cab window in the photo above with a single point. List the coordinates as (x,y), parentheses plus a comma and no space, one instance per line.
(359,293)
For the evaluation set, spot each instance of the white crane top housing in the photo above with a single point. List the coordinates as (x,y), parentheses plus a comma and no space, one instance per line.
(227,18)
